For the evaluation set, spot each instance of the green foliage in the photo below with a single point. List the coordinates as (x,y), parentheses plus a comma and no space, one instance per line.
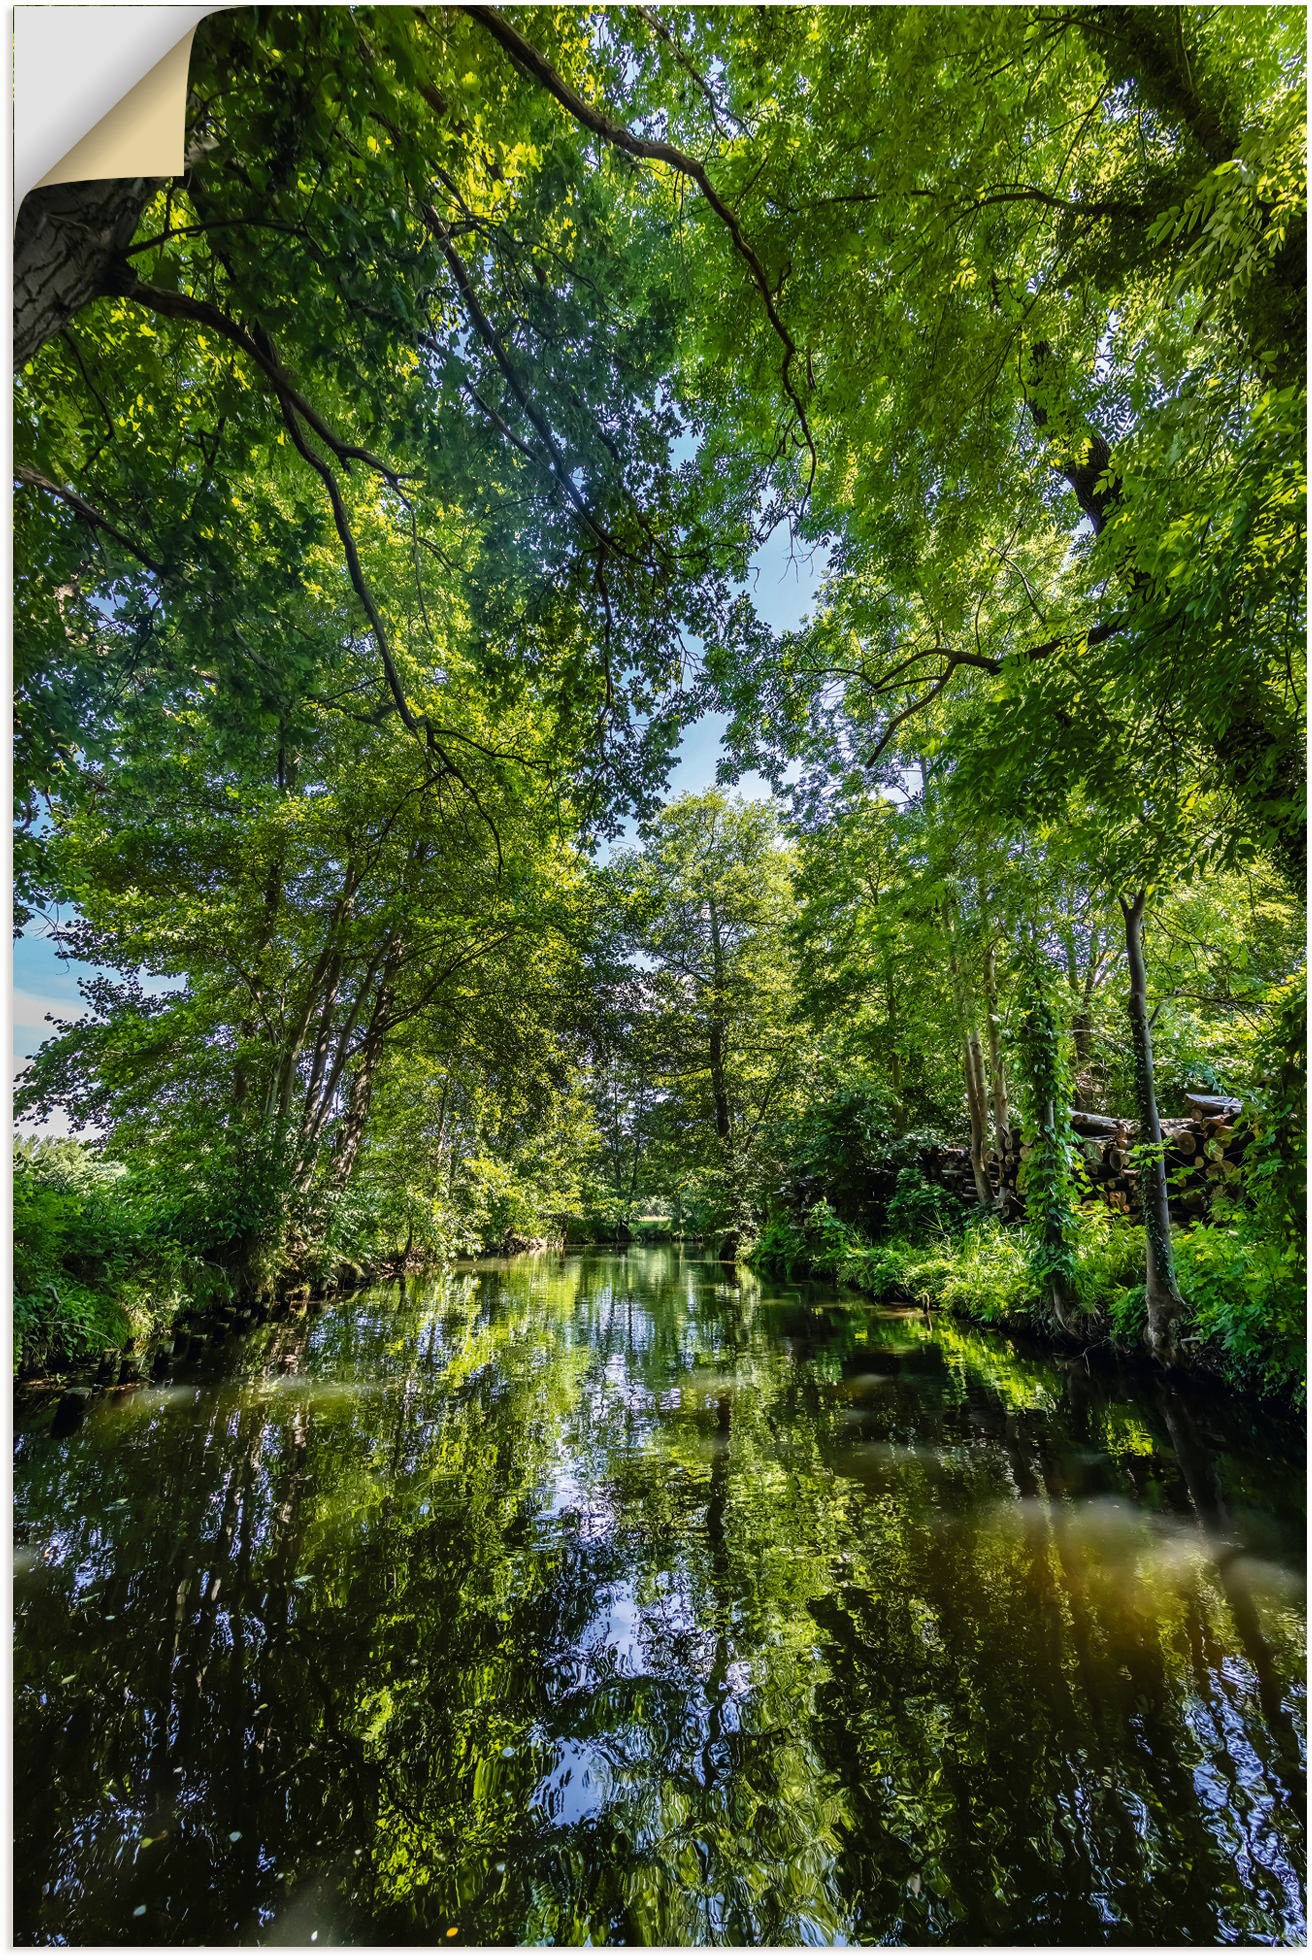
(846,1142)
(1275,1165)
(696,1048)
(1107,1268)
(1248,1299)
(994,1275)
(95,1261)
(919,1207)
(335,664)
(1246,1302)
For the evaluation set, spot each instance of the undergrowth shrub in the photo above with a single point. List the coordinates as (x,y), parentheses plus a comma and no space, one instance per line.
(1244,1290)
(994,1275)
(920,1208)
(1247,1302)
(93,1265)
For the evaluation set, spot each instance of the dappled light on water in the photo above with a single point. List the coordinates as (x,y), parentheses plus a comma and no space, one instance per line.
(618,1598)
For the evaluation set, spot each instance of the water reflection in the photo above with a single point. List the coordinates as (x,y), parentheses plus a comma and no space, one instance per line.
(605,1599)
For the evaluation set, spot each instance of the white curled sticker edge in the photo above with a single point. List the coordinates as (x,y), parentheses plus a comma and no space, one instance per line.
(100,92)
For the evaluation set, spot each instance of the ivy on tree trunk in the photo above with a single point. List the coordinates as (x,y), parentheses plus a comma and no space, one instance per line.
(1163,1295)
(1048,1172)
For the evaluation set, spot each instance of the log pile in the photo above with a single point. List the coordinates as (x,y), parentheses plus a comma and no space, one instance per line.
(950,1168)
(1204,1152)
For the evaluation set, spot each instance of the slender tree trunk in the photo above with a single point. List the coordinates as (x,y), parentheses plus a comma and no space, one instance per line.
(719,1090)
(895,1079)
(323,1035)
(719,1087)
(977,1098)
(356,1119)
(973,1066)
(997,1073)
(1060,1302)
(313,1131)
(278,1102)
(723,1120)
(1164,1302)
(1082,1023)
(639,1113)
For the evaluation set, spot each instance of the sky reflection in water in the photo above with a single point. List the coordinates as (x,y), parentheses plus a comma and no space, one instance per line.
(627,1599)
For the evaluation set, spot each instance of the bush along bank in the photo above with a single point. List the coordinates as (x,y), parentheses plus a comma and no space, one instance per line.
(117,1269)
(1243,1290)
(114,1272)
(1224,1293)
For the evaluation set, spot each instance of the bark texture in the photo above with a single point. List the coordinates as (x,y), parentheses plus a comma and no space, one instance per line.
(68,245)
(1164,1302)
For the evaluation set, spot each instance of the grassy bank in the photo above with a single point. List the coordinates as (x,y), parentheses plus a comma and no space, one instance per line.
(1246,1317)
(107,1256)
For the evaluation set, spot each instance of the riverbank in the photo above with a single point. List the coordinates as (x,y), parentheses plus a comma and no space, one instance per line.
(114,1312)
(1245,1320)
(117,1273)
(150,1338)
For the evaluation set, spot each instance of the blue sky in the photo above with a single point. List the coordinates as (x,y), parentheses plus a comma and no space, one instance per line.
(783,588)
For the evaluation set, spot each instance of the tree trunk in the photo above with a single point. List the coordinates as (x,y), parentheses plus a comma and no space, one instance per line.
(356,1119)
(1060,1302)
(719,1090)
(973,1068)
(1164,1302)
(977,1102)
(67,242)
(895,1080)
(997,1074)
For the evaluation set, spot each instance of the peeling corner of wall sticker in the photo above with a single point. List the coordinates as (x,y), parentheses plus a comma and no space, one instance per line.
(99,92)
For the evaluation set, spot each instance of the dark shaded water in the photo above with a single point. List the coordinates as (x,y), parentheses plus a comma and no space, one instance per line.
(629,1599)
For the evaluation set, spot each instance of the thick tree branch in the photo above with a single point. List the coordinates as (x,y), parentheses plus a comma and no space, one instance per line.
(956,657)
(1084,463)
(66,242)
(258,348)
(88,513)
(535,64)
(1145,46)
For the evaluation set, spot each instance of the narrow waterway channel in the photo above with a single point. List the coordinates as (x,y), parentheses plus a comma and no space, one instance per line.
(633,1599)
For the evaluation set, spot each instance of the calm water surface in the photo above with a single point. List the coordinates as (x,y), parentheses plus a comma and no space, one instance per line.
(629,1599)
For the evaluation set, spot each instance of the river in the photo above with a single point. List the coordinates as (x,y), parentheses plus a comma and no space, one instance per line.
(633,1599)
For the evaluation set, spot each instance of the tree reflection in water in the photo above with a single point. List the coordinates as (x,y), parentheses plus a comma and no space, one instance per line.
(620,1598)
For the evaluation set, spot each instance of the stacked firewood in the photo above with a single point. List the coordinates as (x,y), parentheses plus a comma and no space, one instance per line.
(950,1168)
(1204,1152)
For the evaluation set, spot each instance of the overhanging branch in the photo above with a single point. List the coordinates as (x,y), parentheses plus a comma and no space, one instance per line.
(417,725)
(88,513)
(259,348)
(955,657)
(536,65)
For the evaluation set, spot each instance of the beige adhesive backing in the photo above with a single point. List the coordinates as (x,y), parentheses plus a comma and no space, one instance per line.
(143,135)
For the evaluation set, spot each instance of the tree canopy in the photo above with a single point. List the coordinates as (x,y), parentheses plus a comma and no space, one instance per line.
(387,489)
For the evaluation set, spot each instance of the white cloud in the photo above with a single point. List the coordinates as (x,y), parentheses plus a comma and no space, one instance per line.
(56,1124)
(28,1011)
